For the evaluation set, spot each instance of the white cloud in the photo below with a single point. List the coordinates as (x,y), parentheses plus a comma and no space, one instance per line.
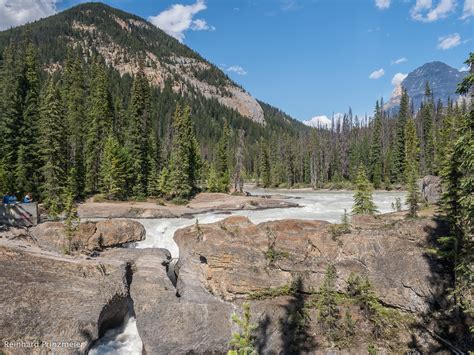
(382,4)
(201,25)
(323,121)
(398,78)
(377,74)
(468,9)
(450,41)
(425,12)
(399,60)
(19,12)
(237,69)
(179,18)
(464,68)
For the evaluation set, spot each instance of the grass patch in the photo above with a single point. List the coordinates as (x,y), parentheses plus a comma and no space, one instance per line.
(179,201)
(272,255)
(272,292)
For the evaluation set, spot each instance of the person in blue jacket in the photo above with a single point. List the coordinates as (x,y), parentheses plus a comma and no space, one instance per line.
(27,198)
(6,199)
(12,199)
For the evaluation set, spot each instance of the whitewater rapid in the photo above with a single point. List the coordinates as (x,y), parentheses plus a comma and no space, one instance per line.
(321,205)
(315,205)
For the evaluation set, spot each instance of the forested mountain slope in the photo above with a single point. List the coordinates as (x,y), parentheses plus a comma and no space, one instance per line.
(124,40)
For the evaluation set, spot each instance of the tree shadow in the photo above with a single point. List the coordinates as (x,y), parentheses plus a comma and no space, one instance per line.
(451,328)
(263,334)
(294,326)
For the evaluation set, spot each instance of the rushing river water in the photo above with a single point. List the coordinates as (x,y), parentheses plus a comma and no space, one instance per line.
(328,206)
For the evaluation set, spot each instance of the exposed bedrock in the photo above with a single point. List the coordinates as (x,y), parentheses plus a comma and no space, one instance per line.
(47,297)
(52,296)
(235,257)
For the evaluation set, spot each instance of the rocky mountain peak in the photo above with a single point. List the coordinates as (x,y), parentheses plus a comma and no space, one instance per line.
(442,78)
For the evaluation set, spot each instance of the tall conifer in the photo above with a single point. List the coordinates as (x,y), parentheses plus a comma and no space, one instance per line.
(411,167)
(376,149)
(52,149)
(398,167)
(99,126)
(74,96)
(140,117)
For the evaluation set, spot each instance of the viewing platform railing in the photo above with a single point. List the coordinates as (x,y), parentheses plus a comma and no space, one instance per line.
(19,214)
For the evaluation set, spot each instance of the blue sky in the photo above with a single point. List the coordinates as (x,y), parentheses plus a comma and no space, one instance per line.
(313,57)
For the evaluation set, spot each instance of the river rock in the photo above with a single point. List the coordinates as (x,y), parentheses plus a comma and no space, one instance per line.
(235,257)
(47,298)
(430,187)
(90,236)
(278,265)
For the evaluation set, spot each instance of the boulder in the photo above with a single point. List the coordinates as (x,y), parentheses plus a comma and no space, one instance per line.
(47,298)
(89,236)
(430,187)
(111,233)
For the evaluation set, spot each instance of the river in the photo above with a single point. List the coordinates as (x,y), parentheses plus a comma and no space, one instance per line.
(315,205)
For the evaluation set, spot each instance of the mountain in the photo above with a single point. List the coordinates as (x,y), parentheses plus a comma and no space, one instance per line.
(442,78)
(124,41)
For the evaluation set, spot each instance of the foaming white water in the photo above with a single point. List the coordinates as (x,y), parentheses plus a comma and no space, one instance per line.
(124,340)
(327,206)
(160,232)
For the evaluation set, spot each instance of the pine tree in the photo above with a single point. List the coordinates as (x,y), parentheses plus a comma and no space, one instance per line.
(363,202)
(114,170)
(164,184)
(376,149)
(3,179)
(99,126)
(345,222)
(458,201)
(327,304)
(239,164)
(23,180)
(140,116)
(11,112)
(52,149)
(289,161)
(411,168)
(428,151)
(243,341)
(154,155)
(213,183)
(398,167)
(72,219)
(185,159)
(74,93)
(264,166)
(222,159)
(28,162)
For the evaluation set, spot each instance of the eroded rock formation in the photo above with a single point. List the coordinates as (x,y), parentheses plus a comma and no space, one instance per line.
(90,236)
(277,266)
